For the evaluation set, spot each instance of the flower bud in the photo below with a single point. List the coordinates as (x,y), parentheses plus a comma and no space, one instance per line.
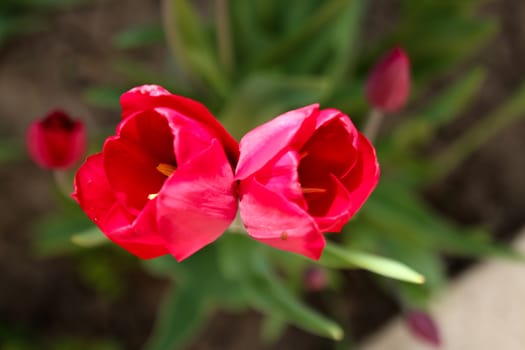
(56,141)
(315,279)
(423,326)
(388,85)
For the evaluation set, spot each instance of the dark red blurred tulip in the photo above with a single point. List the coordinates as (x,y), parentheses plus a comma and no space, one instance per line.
(388,85)
(423,326)
(315,279)
(56,141)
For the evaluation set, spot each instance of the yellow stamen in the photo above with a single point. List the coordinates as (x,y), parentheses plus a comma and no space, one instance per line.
(152,196)
(166,169)
(308,190)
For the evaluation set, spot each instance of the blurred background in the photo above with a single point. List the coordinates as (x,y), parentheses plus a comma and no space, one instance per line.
(452,158)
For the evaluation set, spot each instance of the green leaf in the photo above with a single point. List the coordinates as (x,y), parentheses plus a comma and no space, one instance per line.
(103,96)
(272,329)
(182,314)
(166,267)
(507,113)
(345,38)
(233,248)
(89,238)
(262,97)
(337,257)
(10,150)
(52,234)
(285,48)
(139,73)
(450,103)
(443,108)
(397,212)
(190,45)
(268,294)
(139,36)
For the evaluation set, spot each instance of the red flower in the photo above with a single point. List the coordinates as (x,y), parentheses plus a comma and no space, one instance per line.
(315,279)
(301,174)
(423,326)
(388,84)
(164,183)
(56,141)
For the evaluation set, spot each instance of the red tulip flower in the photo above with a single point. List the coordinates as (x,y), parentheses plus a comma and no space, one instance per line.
(164,183)
(315,279)
(56,141)
(423,326)
(301,174)
(388,85)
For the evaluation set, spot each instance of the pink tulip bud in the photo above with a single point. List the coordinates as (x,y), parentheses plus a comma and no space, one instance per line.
(388,84)
(423,326)
(56,141)
(315,279)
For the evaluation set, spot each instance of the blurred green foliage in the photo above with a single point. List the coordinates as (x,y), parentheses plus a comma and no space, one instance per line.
(252,60)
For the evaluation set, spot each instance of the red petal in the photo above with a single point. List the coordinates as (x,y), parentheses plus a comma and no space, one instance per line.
(95,197)
(130,159)
(280,176)
(190,137)
(331,149)
(153,96)
(264,143)
(132,173)
(363,178)
(152,132)
(274,220)
(336,212)
(197,203)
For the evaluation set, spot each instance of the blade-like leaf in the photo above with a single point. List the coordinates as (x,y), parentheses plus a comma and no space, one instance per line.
(181,315)
(443,108)
(262,97)
(338,257)
(190,45)
(285,48)
(103,96)
(345,42)
(139,36)
(268,294)
(398,213)
(510,111)
(89,238)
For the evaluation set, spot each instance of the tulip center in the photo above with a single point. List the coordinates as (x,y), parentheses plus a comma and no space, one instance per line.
(310,190)
(166,169)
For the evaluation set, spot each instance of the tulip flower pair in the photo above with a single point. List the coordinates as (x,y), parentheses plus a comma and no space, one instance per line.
(172,178)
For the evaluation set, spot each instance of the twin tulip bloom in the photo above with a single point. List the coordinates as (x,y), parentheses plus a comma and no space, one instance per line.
(172,178)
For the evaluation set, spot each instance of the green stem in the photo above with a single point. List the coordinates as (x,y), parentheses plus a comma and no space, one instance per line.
(63,182)
(373,123)
(224,37)
(291,43)
(167,22)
